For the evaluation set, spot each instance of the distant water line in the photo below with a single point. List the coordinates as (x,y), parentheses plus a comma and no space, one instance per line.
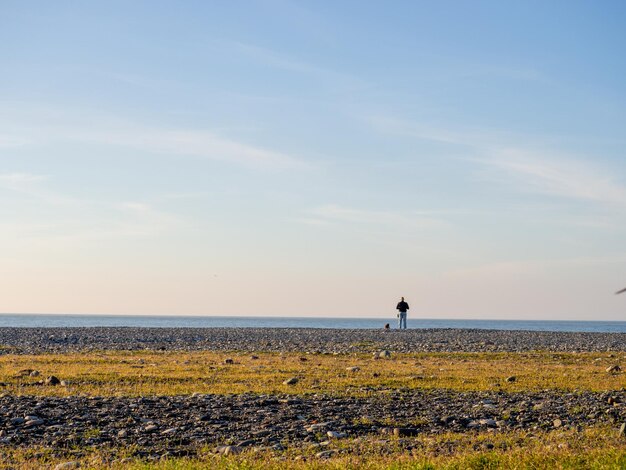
(183,321)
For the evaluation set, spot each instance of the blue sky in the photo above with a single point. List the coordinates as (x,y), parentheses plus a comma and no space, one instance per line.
(313,158)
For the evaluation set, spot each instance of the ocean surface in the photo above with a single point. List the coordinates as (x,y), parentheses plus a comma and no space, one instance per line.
(31,320)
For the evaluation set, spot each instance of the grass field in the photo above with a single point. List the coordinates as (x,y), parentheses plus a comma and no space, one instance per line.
(174,373)
(124,373)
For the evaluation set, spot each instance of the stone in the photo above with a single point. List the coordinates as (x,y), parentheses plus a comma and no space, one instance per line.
(229,450)
(353,369)
(557,423)
(491,423)
(404,432)
(336,435)
(122,433)
(614,369)
(67,465)
(384,354)
(229,360)
(33,422)
(291,381)
(622,429)
(151,428)
(52,380)
(511,378)
(325,454)
(35,373)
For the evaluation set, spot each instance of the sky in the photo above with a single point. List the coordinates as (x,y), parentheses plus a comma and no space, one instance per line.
(314,158)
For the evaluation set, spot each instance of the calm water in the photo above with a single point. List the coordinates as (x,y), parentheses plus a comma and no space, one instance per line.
(294,322)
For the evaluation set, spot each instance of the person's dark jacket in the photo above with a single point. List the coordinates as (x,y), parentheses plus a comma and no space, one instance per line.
(402,306)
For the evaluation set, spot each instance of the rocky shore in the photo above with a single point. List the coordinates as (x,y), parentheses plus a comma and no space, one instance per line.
(181,425)
(37,340)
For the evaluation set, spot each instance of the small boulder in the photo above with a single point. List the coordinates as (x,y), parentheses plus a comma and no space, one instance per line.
(291,381)
(353,369)
(404,432)
(229,450)
(511,378)
(67,465)
(229,360)
(384,354)
(614,369)
(52,380)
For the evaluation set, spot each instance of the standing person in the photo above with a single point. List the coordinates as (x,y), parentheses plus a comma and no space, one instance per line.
(402,307)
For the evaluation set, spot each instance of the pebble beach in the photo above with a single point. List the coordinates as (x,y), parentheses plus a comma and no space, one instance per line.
(161,426)
(322,340)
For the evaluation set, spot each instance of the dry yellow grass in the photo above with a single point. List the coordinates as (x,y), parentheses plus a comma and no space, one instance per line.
(174,373)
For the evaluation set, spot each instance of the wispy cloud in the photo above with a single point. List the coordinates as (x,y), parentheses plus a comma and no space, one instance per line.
(503,158)
(282,61)
(197,143)
(337,213)
(558,176)
(20,179)
(51,126)
(11,141)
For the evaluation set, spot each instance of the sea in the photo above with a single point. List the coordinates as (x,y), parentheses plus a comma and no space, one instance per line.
(182,321)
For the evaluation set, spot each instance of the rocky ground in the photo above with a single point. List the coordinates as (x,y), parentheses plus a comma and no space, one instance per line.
(36,340)
(180,425)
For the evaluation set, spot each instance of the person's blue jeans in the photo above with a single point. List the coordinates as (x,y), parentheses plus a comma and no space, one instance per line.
(402,320)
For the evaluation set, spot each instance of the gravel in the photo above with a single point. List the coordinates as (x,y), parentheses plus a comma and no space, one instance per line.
(184,423)
(37,340)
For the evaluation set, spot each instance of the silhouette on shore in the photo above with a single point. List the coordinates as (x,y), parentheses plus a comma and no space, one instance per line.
(402,308)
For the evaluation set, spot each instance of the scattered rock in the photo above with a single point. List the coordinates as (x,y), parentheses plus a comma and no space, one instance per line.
(291,381)
(67,465)
(336,435)
(405,432)
(557,423)
(511,378)
(52,380)
(614,369)
(325,454)
(229,361)
(229,450)
(353,369)
(384,354)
